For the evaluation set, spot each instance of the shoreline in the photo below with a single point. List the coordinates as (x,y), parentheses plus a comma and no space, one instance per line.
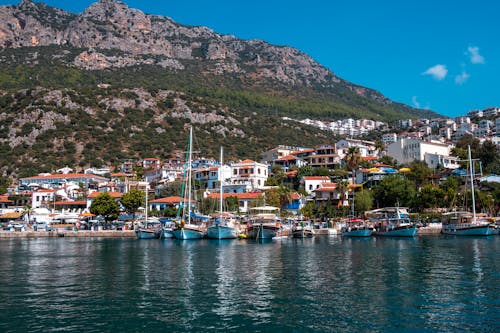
(68,233)
(131,233)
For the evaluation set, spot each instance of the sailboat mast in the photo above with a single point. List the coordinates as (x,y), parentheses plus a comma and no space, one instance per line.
(472,187)
(220,180)
(146,205)
(190,156)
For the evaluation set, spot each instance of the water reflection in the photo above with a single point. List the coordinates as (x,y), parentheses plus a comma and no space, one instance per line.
(322,284)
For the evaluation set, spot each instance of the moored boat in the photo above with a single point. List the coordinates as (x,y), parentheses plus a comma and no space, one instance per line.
(265,224)
(148,230)
(223,227)
(302,229)
(392,221)
(356,227)
(185,229)
(463,223)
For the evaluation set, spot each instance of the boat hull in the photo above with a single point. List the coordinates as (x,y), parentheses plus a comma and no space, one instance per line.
(302,233)
(147,234)
(457,230)
(398,231)
(167,233)
(363,232)
(185,233)
(261,231)
(221,232)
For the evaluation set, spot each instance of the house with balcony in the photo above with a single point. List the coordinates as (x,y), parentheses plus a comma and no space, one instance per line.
(161,204)
(245,200)
(311,183)
(366,148)
(324,156)
(295,205)
(251,174)
(407,150)
(5,202)
(151,163)
(56,180)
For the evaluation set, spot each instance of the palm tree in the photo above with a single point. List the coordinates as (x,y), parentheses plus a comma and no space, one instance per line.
(340,189)
(353,159)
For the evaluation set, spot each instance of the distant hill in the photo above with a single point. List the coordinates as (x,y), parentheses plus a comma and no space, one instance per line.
(114,83)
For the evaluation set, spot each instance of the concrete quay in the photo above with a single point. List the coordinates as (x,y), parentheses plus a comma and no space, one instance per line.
(67,233)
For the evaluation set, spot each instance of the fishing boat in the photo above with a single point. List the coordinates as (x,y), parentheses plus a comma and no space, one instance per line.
(149,229)
(223,227)
(264,223)
(185,228)
(464,223)
(356,227)
(167,230)
(302,229)
(392,221)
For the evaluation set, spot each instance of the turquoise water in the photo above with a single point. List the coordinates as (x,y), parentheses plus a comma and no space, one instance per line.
(312,285)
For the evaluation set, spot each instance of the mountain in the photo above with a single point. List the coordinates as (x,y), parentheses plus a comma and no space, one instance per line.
(113,82)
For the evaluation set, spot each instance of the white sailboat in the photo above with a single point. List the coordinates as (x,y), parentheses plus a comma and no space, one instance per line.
(150,229)
(222,228)
(463,223)
(185,229)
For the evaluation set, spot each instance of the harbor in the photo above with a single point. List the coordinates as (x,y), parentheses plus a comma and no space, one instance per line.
(319,284)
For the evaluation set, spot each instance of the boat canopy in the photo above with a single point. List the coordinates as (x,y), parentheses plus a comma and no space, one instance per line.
(265,208)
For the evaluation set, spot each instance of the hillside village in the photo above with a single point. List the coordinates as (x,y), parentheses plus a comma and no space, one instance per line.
(317,176)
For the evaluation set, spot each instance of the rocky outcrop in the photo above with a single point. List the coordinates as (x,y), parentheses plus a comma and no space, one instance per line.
(110,24)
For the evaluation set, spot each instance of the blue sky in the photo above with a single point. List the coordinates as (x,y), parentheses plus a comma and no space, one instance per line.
(438,54)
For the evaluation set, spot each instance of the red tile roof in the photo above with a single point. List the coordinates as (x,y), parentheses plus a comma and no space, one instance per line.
(323,178)
(170,200)
(115,195)
(287,158)
(65,176)
(119,174)
(240,196)
(71,203)
(5,199)
(302,151)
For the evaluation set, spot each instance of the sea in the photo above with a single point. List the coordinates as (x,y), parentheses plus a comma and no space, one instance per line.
(323,284)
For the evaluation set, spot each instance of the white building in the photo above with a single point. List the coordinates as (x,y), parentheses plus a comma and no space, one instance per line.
(248,172)
(407,150)
(475,113)
(389,138)
(366,148)
(491,112)
(312,183)
(279,152)
(42,198)
(449,162)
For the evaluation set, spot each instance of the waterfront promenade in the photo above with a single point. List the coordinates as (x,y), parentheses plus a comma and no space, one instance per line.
(68,233)
(131,233)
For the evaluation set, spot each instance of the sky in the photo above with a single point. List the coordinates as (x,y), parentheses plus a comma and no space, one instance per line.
(442,55)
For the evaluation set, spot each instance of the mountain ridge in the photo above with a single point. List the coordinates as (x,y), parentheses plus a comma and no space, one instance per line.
(59,72)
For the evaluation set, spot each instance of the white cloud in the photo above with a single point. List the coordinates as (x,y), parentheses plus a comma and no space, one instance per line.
(438,72)
(462,78)
(475,57)
(415,102)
